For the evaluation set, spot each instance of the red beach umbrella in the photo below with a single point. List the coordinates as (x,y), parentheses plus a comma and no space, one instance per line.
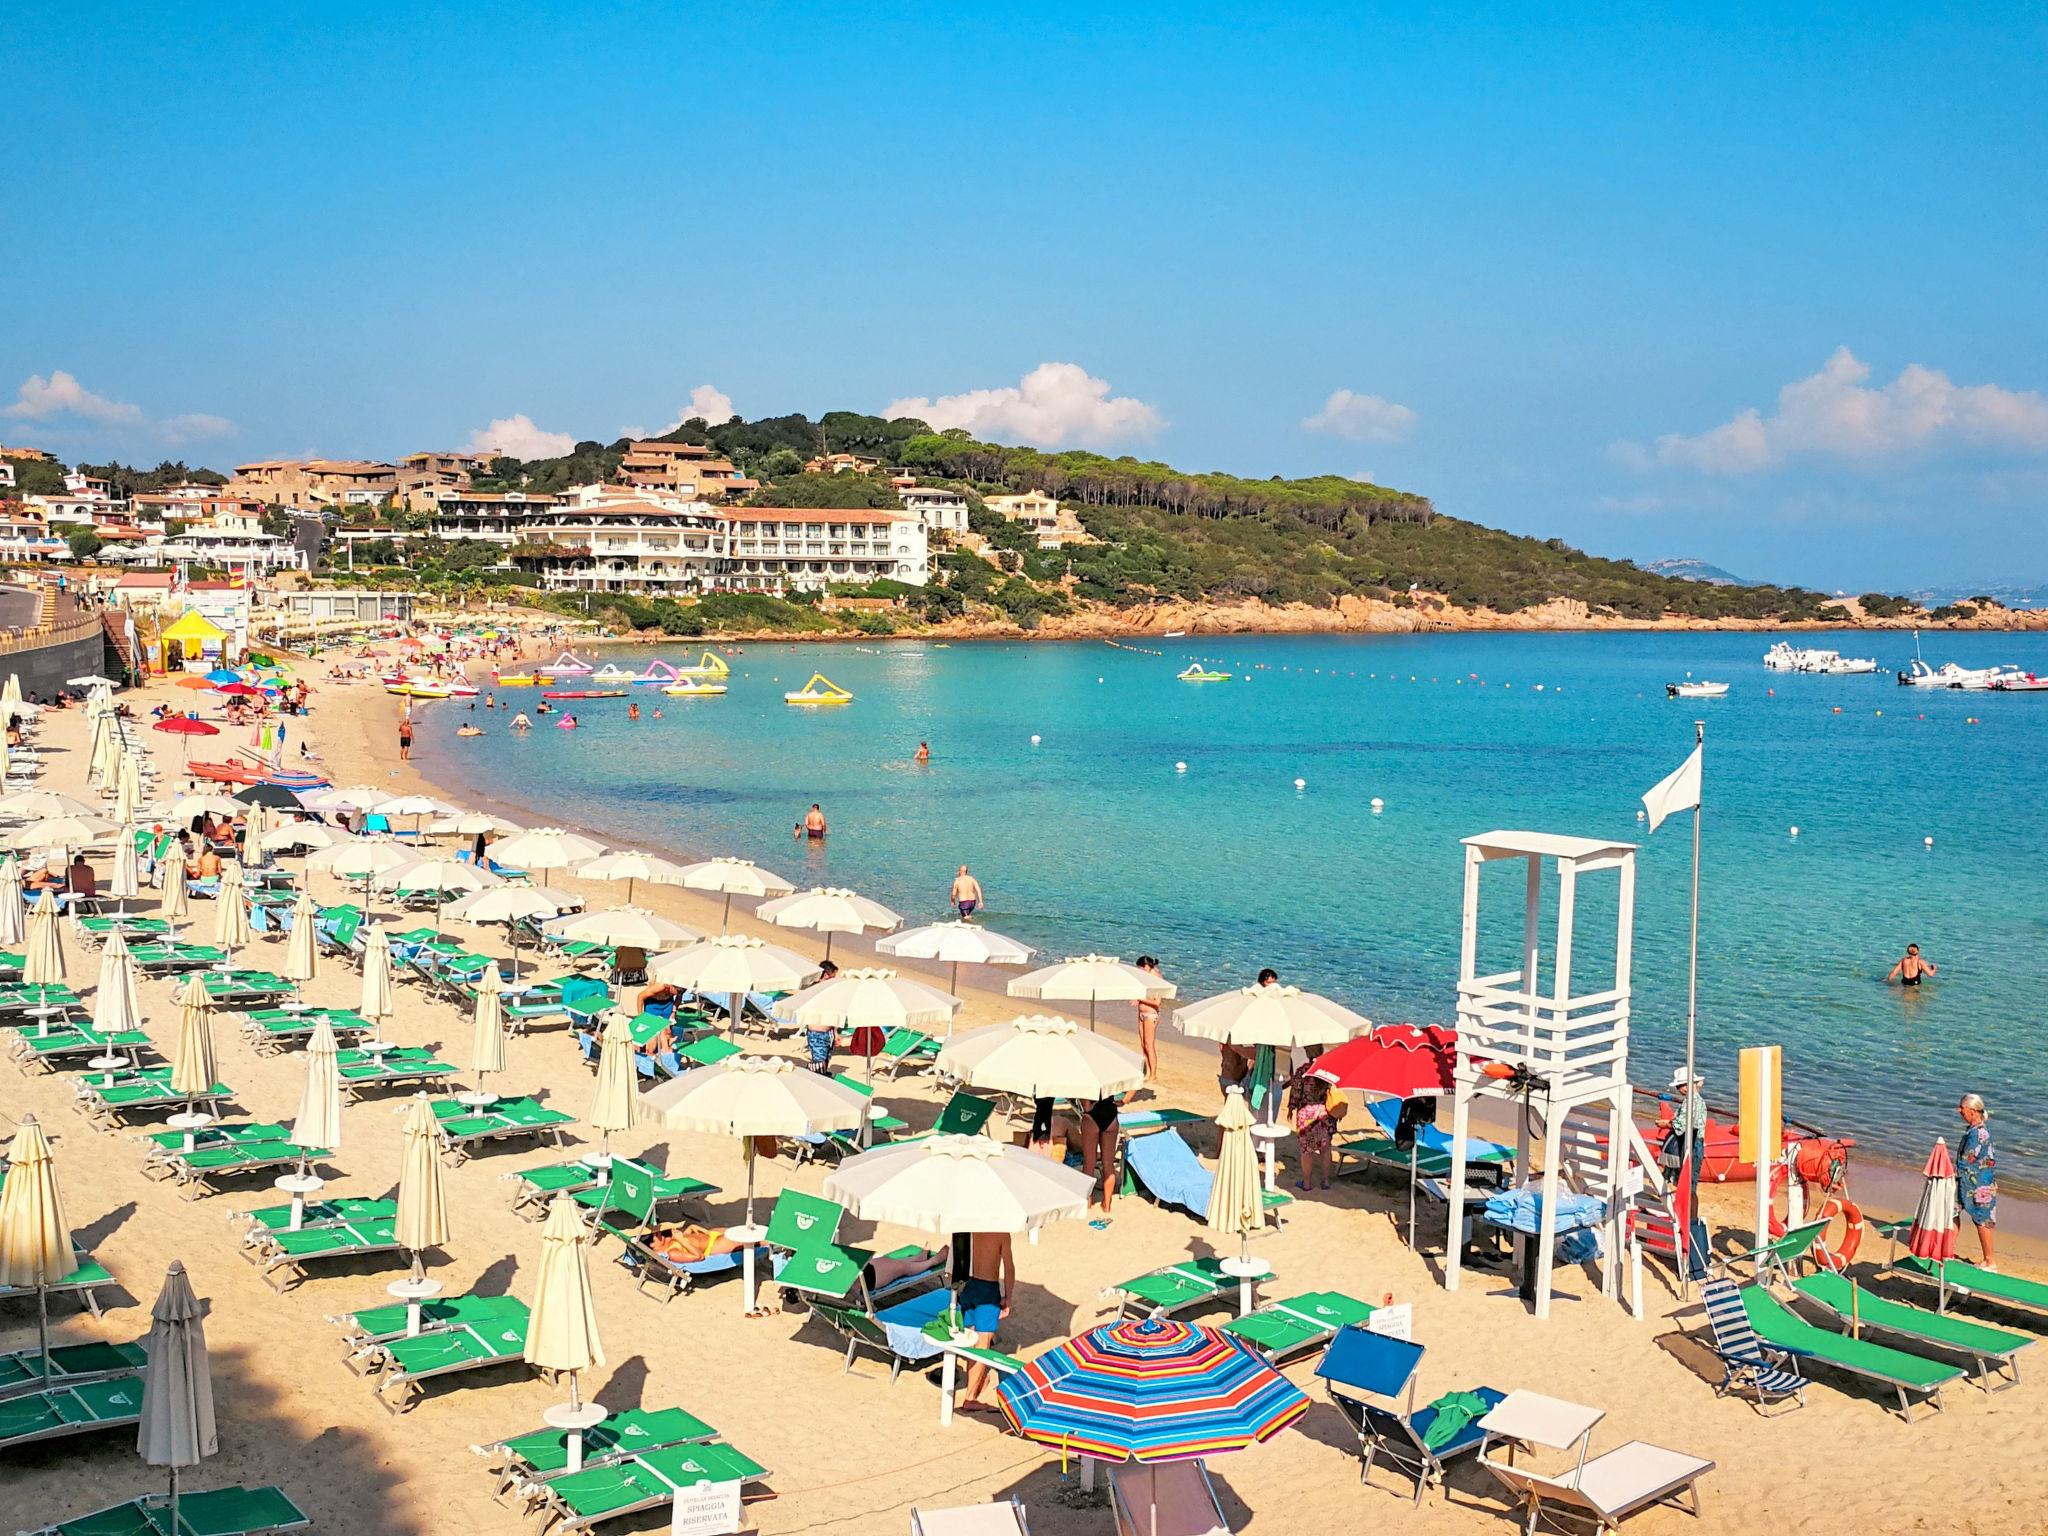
(187,726)
(1933,1236)
(240,690)
(1405,1061)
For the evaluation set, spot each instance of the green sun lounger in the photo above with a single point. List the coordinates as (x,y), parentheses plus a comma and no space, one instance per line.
(317,1213)
(129,926)
(633,1197)
(138,1093)
(381,1324)
(1282,1328)
(63,1045)
(1959,1277)
(84,1282)
(543,1454)
(1778,1327)
(409,1065)
(164,1144)
(1175,1288)
(71,1365)
(579,1500)
(707,1052)
(445,1352)
(70,1410)
(463,1127)
(538,1186)
(278,1029)
(964,1114)
(283,1256)
(235,1511)
(155,959)
(1991,1350)
(20,998)
(231,988)
(197,1171)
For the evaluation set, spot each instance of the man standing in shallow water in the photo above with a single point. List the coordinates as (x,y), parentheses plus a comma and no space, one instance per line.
(966,894)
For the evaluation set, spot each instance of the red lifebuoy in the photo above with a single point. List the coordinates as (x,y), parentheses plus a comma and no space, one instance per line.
(1829,1255)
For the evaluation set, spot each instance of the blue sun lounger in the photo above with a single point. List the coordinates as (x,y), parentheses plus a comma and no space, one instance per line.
(1360,1365)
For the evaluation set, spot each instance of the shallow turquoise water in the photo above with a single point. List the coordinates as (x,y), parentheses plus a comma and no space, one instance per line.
(1090,840)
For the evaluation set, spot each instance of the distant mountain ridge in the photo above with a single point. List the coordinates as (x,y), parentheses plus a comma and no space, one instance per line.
(2008,594)
(1697,570)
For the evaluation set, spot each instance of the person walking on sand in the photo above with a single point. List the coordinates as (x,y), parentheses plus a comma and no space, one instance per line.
(1308,1102)
(985,1298)
(1977,1174)
(1101,1130)
(966,893)
(814,823)
(404,738)
(1911,968)
(1148,1024)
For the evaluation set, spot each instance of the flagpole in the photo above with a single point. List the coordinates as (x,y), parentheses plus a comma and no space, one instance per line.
(1692,1006)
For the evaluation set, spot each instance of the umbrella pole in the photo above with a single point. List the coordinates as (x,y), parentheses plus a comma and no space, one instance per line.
(43,1326)
(174,1500)
(725,917)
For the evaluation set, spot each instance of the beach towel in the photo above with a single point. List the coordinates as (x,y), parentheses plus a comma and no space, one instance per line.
(904,1324)
(1167,1167)
(1451,1414)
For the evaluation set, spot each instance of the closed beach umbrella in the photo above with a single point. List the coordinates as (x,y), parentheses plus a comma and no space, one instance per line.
(11,912)
(193,1070)
(561,1334)
(1933,1234)
(35,1239)
(734,877)
(735,964)
(545,848)
(318,1123)
(114,1006)
(127,878)
(422,1200)
(625,926)
(956,943)
(42,960)
(487,1025)
(1236,1203)
(170,880)
(230,911)
(632,868)
(828,910)
(754,1096)
(614,1100)
(377,1001)
(302,947)
(948,1184)
(1041,1057)
(255,822)
(1092,979)
(128,788)
(176,1428)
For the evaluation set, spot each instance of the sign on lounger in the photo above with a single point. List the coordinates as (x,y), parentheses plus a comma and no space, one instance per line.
(708,1509)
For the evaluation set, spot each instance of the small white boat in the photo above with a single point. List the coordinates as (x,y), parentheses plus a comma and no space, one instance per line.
(2026,682)
(1785,657)
(1695,690)
(1962,679)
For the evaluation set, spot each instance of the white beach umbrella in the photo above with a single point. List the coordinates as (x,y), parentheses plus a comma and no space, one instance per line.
(300,834)
(193,1068)
(1092,979)
(829,910)
(422,1198)
(949,1184)
(127,878)
(128,788)
(735,964)
(176,1428)
(625,926)
(436,875)
(10,691)
(170,880)
(11,913)
(302,948)
(318,1122)
(114,1006)
(414,805)
(185,807)
(255,822)
(470,823)
(63,832)
(487,1025)
(1042,1057)
(1284,1018)
(508,903)
(561,1332)
(35,1239)
(42,960)
(870,998)
(754,1096)
(98,761)
(632,868)
(231,912)
(362,859)
(35,804)
(1236,1202)
(545,848)
(355,797)
(614,1103)
(734,877)
(956,943)
(377,1003)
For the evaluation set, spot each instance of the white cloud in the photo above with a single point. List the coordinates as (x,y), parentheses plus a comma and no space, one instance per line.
(518,437)
(1835,413)
(1631,504)
(1362,418)
(60,397)
(713,405)
(1052,405)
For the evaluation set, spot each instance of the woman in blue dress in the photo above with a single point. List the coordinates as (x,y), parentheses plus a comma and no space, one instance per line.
(1977,1173)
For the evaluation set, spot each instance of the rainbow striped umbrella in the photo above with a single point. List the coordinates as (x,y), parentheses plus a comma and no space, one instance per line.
(1150,1390)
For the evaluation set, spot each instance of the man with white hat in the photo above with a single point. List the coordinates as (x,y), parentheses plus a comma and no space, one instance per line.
(1685,1141)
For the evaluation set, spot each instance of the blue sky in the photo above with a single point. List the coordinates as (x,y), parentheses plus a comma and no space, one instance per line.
(1553,262)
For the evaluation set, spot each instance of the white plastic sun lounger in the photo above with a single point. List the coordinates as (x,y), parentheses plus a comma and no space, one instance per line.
(1609,1488)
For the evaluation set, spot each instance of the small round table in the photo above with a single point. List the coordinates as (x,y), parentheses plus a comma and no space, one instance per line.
(1247,1269)
(412,1292)
(575,1418)
(298,1186)
(476,1098)
(191,1122)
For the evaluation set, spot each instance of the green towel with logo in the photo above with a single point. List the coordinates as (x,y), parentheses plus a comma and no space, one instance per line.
(1454,1413)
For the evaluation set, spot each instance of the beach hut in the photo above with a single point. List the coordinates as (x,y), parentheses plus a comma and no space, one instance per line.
(191,637)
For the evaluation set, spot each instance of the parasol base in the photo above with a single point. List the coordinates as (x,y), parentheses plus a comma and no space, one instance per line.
(575,1418)
(298,1186)
(477,1098)
(1248,1270)
(412,1292)
(191,1122)
(108,1063)
(749,1238)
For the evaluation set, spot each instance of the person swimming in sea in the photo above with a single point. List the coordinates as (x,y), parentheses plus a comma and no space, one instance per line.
(1911,968)
(633,711)
(924,751)
(521,723)
(814,823)
(470,730)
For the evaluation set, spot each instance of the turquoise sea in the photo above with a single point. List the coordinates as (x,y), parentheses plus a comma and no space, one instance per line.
(1054,775)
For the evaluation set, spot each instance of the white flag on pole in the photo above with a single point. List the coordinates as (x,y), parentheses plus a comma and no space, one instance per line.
(1678,792)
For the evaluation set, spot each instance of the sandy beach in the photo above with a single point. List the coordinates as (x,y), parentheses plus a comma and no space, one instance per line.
(853,1452)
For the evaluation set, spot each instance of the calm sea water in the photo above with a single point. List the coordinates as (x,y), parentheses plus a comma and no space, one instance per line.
(1089,838)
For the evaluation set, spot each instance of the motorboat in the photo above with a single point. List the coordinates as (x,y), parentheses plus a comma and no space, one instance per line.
(1963,679)
(1836,665)
(2026,682)
(1701,690)
(1197,673)
(1785,657)
(819,690)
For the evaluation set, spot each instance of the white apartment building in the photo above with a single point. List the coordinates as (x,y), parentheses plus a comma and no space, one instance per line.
(498,517)
(804,549)
(942,511)
(625,544)
(1042,515)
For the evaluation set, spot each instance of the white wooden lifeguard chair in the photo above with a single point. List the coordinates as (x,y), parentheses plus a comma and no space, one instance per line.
(1561,1056)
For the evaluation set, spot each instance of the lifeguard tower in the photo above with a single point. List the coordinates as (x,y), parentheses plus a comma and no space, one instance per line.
(1558,1054)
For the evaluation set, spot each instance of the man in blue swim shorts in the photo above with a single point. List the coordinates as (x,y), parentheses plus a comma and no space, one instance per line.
(984,1303)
